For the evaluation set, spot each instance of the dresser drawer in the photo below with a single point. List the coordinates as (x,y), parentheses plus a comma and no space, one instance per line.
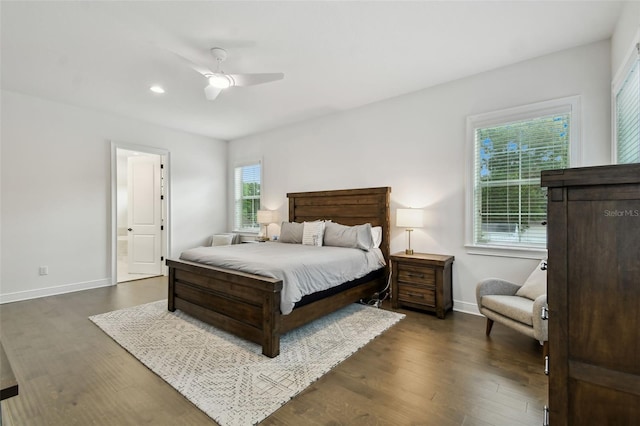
(418,275)
(418,295)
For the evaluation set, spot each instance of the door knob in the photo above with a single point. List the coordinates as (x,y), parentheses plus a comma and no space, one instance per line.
(129,229)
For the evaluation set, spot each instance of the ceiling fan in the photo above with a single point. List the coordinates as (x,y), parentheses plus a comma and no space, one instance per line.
(219,80)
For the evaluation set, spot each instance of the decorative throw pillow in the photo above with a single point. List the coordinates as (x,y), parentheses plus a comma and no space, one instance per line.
(536,284)
(291,232)
(312,233)
(358,236)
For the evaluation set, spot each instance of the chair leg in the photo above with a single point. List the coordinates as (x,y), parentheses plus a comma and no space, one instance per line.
(489,326)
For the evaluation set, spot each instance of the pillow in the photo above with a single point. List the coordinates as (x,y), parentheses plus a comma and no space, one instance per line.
(376,236)
(291,232)
(312,233)
(358,236)
(222,239)
(536,284)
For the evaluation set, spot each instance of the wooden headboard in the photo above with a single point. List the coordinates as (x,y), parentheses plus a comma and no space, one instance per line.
(345,206)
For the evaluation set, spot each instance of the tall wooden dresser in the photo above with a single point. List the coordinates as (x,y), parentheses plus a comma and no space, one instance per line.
(593,290)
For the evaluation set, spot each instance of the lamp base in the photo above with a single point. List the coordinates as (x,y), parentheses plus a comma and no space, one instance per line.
(408,251)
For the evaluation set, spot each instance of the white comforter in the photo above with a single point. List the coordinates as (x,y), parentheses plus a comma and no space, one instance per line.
(303,269)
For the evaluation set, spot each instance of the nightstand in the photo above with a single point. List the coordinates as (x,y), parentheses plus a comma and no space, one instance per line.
(422,281)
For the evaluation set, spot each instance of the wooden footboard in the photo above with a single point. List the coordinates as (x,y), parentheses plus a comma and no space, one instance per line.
(243,304)
(247,305)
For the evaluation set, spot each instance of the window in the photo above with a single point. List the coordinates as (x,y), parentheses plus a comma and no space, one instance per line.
(627,112)
(509,149)
(247,180)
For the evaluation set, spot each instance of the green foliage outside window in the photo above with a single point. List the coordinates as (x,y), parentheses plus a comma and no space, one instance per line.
(250,204)
(247,197)
(509,158)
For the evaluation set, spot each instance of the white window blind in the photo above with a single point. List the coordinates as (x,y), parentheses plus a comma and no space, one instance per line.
(509,205)
(247,197)
(627,116)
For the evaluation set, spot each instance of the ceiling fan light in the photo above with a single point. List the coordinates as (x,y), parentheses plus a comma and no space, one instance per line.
(220,81)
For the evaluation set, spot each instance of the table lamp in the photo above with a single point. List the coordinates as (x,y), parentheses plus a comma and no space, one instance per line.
(409,218)
(266,217)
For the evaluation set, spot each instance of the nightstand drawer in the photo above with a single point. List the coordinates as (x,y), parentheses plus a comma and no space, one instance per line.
(420,295)
(416,275)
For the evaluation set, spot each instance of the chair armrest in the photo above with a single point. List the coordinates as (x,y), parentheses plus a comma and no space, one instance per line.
(496,286)
(491,286)
(540,326)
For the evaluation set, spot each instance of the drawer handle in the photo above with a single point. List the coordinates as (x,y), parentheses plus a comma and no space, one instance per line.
(420,295)
(416,275)
(546,365)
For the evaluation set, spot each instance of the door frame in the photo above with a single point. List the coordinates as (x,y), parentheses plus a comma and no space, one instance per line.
(166,208)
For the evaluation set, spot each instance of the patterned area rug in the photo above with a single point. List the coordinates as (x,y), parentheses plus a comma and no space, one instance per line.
(228,378)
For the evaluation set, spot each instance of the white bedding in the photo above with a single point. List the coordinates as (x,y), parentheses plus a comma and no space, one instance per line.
(303,269)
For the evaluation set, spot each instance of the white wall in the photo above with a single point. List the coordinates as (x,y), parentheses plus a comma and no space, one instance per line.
(56,192)
(416,144)
(624,36)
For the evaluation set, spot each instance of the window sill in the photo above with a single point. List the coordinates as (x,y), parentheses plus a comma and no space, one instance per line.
(507,251)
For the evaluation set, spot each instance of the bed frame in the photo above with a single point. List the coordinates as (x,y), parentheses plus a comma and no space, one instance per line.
(248,305)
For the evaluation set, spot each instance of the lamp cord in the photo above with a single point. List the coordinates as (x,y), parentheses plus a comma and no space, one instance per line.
(375,299)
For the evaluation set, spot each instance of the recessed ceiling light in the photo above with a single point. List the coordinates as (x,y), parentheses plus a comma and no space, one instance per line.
(156,89)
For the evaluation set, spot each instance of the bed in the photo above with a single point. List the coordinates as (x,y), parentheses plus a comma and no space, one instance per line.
(248,305)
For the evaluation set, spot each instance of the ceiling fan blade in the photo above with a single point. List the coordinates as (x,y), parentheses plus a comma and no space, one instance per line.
(202,69)
(211,92)
(252,79)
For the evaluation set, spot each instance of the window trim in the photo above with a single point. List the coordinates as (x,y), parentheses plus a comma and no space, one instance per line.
(630,59)
(244,163)
(570,104)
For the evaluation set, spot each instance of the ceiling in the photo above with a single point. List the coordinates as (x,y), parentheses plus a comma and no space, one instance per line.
(336,55)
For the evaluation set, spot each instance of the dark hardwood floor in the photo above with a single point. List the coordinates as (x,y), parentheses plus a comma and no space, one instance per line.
(422,371)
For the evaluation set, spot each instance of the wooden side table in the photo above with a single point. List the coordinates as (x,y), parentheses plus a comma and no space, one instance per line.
(8,382)
(422,281)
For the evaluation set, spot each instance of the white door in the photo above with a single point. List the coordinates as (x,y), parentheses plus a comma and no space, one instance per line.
(144,215)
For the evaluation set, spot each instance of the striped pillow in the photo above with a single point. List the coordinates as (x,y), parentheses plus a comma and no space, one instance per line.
(313,233)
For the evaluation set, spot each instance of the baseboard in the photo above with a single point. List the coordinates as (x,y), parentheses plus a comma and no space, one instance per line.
(52,291)
(466,307)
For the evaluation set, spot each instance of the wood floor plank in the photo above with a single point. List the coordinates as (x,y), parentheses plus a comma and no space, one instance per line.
(422,371)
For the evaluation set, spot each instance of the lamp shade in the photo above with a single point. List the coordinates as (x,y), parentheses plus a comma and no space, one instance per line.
(409,218)
(266,217)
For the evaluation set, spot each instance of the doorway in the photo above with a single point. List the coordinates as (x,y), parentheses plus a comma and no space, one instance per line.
(139,221)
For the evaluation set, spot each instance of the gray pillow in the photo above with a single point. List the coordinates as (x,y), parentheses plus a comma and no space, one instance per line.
(358,236)
(291,232)
(536,285)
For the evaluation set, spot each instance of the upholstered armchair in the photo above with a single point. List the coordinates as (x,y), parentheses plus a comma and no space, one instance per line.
(225,239)
(516,306)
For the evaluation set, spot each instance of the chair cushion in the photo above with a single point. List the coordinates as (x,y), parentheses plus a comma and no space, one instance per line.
(222,239)
(514,307)
(535,285)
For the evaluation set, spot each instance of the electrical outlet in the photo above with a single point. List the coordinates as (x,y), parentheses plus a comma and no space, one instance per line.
(44,270)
